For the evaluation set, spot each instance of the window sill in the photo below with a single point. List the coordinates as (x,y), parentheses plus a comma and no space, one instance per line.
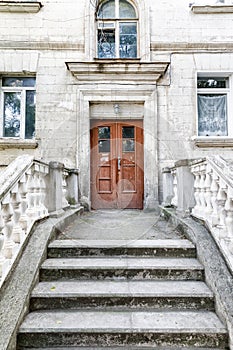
(6,143)
(117,60)
(20,6)
(212,9)
(210,142)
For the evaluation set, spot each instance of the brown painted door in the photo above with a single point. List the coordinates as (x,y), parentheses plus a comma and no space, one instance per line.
(117,174)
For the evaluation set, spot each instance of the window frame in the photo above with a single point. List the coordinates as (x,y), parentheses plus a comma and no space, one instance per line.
(216,91)
(116,21)
(23,90)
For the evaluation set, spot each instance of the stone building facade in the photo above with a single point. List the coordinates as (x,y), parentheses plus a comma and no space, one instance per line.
(121,68)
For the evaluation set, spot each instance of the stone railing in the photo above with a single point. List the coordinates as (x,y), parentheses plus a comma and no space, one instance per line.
(31,190)
(204,189)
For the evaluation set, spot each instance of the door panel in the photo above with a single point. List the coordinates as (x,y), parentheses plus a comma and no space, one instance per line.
(117,164)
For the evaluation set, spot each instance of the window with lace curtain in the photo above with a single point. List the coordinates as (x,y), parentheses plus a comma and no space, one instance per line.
(213,106)
(117,27)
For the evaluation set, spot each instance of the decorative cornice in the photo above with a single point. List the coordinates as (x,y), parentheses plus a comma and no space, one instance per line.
(190,47)
(118,71)
(210,142)
(208,9)
(20,6)
(40,45)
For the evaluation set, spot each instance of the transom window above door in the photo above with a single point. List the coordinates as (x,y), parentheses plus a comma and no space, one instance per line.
(117,27)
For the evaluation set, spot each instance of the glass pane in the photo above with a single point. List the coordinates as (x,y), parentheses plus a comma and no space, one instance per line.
(106,43)
(128,132)
(104,132)
(212,115)
(30,114)
(19,82)
(107,10)
(104,146)
(128,145)
(128,40)
(12,107)
(126,10)
(212,83)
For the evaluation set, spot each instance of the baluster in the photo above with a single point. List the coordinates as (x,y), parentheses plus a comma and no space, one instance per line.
(7,214)
(37,208)
(207,193)
(23,220)
(197,176)
(214,192)
(174,200)
(2,239)
(202,195)
(229,214)
(17,232)
(30,212)
(65,203)
(221,200)
(44,210)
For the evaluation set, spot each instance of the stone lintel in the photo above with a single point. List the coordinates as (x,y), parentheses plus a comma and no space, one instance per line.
(20,6)
(118,70)
(212,9)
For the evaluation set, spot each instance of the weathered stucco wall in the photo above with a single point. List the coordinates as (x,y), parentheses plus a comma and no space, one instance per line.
(40,43)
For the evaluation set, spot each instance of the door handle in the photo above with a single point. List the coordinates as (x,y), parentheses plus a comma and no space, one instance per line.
(119,163)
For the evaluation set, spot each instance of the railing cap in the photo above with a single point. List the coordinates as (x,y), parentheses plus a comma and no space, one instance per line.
(166,170)
(56,165)
(74,171)
(197,161)
(183,162)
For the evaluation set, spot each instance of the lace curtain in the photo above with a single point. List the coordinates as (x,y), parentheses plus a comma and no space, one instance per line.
(212,115)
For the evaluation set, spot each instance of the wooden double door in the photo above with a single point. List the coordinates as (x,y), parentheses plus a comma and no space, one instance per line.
(117,174)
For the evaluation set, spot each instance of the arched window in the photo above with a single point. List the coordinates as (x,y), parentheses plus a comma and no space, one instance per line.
(117,22)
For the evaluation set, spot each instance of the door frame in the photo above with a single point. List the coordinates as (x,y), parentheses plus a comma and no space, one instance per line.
(121,199)
(148,97)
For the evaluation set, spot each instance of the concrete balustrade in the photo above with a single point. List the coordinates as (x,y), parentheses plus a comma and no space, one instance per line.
(204,189)
(31,190)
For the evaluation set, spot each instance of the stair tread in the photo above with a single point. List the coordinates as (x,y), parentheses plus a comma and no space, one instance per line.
(125,263)
(122,288)
(125,322)
(147,243)
(120,348)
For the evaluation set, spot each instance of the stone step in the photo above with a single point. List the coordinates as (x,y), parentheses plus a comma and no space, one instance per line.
(121,268)
(123,347)
(166,248)
(132,328)
(122,295)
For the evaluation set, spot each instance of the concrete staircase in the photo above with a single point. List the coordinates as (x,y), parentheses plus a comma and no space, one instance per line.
(143,294)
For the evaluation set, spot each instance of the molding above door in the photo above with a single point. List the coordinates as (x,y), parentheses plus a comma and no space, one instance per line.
(115,71)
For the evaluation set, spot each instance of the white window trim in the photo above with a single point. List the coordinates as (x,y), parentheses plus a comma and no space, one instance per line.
(216,141)
(143,34)
(117,22)
(22,90)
